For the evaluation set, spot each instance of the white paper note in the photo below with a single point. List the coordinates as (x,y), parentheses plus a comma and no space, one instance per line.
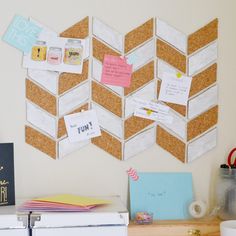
(161,117)
(82,126)
(175,88)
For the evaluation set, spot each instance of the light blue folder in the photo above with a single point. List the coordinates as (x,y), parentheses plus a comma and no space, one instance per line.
(166,195)
(22,33)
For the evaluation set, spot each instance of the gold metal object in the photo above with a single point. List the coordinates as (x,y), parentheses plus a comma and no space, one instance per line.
(194,232)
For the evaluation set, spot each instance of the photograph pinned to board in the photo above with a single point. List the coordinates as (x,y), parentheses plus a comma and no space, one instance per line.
(166,195)
(7,182)
(175,88)
(82,126)
(116,71)
(152,111)
(22,33)
(56,54)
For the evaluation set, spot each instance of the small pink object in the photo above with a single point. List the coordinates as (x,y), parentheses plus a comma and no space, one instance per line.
(133,174)
(54,56)
(116,71)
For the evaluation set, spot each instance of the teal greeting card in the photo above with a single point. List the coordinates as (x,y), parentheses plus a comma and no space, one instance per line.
(22,33)
(166,195)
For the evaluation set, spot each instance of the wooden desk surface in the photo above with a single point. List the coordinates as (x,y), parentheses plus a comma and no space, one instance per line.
(207,227)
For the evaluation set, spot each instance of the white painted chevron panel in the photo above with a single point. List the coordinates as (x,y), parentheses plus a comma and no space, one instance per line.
(142,55)
(108,121)
(139,143)
(163,67)
(65,147)
(87,47)
(178,125)
(74,98)
(171,35)
(97,73)
(202,145)
(202,58)
(40,119)
(203,102)
(107,34)
(146,93)
(47,79)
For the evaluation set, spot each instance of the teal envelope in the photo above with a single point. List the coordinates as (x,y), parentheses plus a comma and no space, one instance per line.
(22,33)
(166,195)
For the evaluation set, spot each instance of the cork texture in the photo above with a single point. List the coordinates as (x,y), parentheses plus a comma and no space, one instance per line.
(141,77)
(171,56)
(109,144)
(135,124)
(61,123)
(181,109)
(79,30)
(70,80)
(40,141)
(41,97)
(139,35)
(203,80)
(202,123)
(100,50)
(171,144)
(107,99)
(203,36)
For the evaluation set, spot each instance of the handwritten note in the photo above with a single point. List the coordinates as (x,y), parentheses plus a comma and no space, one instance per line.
(175,88)
(82,126)
(116,71)
(22,34)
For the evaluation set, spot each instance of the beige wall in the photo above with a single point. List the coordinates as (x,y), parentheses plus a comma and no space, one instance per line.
(91,171)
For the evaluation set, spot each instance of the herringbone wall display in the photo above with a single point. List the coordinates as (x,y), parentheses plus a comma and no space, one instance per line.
(153,48)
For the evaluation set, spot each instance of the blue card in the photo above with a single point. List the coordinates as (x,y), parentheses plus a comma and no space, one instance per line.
(166,195)
(22,33)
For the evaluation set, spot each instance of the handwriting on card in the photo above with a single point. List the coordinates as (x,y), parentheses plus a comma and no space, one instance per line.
(116,71)
(175,89)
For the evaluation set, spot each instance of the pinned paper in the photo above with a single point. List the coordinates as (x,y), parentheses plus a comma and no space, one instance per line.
(22,34)
(116,71)
(151,115)
(149,105)
(82,126)
(132,173)
(175,88)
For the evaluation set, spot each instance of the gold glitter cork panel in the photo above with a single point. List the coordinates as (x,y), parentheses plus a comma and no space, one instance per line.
(181,109)
(70,80)
(202,123)
(78,30)
(107,99)
(203,36)
(40,141)
(141,77)
(109,144)
(100,50)
(135,124)
(203,80)
(171,55)
(171,144)
(41,97)
(61,123)
(139,35)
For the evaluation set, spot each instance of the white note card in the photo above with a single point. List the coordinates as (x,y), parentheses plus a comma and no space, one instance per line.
(175,88)
(82,126)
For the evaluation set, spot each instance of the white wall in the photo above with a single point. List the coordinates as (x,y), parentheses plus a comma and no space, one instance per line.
(90,171)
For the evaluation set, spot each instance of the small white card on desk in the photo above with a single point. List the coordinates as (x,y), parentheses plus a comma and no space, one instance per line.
(82,126)
(175,88)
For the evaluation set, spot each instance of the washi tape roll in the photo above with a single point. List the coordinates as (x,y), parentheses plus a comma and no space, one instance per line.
(197,209)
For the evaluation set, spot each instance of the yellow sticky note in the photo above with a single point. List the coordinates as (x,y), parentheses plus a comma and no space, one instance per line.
(73,200)
(149,112)
(179,75)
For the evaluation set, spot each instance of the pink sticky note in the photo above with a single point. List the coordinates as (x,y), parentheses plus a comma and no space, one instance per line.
(116,71)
